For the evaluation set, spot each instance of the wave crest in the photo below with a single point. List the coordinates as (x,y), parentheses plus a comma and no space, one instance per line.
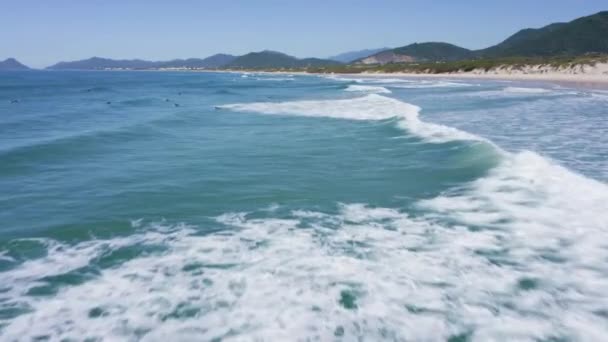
(369,107)
(368,89)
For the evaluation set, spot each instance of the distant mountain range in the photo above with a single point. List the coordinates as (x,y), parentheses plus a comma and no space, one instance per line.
(11,64)
(352,56)
(97,63)
(578,37)
(252,60)
(274,59)
(581,36)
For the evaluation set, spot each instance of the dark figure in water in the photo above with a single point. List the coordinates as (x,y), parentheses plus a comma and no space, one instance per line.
(167,100)
(15,101)
(176,104)
(109,102)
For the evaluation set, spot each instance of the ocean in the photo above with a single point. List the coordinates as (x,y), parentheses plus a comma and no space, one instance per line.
(171,206)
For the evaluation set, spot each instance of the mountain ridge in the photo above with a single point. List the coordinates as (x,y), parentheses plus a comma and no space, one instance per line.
(588,34)
(275,59)
(261,59)
(99,63)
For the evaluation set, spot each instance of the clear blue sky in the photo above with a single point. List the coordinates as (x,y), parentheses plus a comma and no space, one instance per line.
(41,32)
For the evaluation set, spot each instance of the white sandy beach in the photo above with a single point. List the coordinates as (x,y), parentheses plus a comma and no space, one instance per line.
(584,75)
(593,76)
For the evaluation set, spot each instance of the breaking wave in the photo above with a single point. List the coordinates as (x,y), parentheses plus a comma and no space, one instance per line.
(369,107)
(368,89)
(514,254)
(518,254)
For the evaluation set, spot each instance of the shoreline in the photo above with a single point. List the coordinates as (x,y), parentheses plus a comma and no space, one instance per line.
(576,79)
(582,80)
(593,81)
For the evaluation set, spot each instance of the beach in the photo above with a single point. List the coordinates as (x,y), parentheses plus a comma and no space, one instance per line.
(586,76)
(594,77)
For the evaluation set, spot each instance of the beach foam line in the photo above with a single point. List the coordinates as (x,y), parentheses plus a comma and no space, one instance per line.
(369,107)
(276,79)
(526,90)
(367,89)
(403,83)
(431,84)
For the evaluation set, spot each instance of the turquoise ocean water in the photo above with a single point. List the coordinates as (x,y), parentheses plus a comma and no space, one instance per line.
(218,206)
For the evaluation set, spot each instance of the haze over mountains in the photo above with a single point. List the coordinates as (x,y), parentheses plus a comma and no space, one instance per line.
(581,36)
(351,56)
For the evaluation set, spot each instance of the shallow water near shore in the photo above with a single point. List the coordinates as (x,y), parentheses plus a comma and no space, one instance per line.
(223,206)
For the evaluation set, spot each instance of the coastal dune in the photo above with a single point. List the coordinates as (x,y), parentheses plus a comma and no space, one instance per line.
(580,73)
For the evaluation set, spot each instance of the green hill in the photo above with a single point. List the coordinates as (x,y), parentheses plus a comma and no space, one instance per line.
(434,51)
(581,36)
(419,52)
(272,59)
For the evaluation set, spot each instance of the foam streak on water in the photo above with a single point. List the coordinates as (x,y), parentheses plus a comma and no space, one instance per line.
(368,89)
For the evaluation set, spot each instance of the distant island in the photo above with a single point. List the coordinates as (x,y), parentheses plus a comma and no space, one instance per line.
(11,64)
(576,46)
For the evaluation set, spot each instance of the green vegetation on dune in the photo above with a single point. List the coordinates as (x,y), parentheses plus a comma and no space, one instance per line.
(463,66)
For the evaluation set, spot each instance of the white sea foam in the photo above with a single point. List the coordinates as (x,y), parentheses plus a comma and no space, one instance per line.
(408,83)
(532,269)
(598,94)
(432,84)
(520,90)
(276,79)
(534,195)
(4,256)
(368,89)
(384,80)
(340,78)
(369,107)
